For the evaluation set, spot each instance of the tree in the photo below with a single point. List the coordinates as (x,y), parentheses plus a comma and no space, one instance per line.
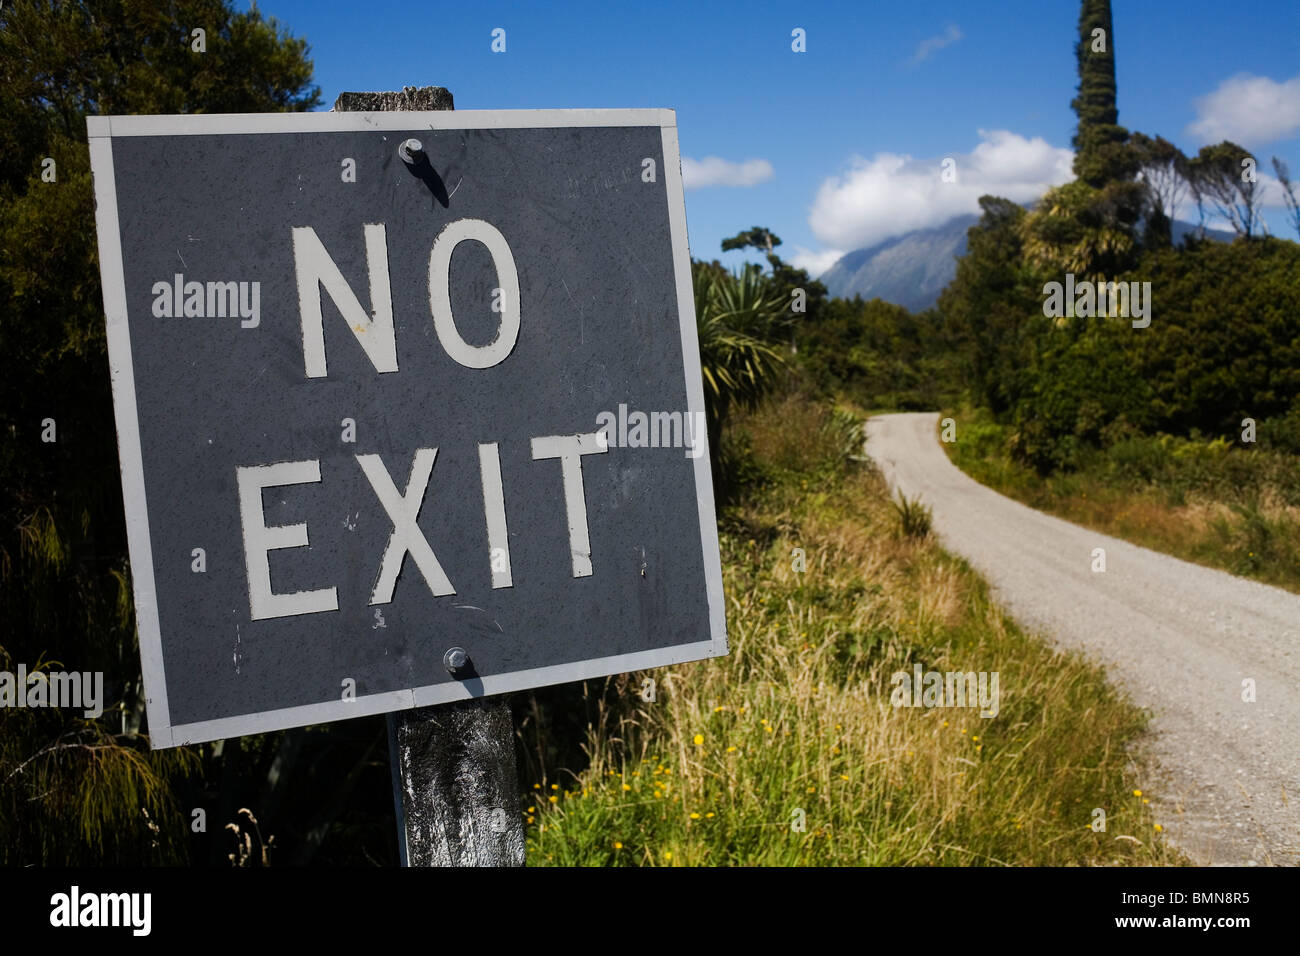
(802,295)
(1099,140)
(1223,178)
(1288,194)
(1162,168)
(72,789)
(1226,346)
(1087,226)
(736,315)
(1083,230)
(989,307)
(758,237)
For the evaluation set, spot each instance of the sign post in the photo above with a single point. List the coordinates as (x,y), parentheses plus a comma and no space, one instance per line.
(455,785)
(410,413)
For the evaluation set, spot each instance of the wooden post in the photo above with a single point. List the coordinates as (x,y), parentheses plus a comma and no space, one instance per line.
(455,787)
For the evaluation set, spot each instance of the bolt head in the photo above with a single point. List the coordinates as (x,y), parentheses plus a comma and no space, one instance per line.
(455,659)
(411,150)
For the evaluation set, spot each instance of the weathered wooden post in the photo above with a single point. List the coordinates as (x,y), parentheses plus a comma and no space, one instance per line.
(455,787)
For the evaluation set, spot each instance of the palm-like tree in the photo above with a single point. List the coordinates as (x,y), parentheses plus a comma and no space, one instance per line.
(737,316)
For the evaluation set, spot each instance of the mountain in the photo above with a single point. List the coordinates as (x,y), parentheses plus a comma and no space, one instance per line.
(911,270)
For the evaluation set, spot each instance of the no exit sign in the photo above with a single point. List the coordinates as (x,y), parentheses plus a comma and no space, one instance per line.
(409,408)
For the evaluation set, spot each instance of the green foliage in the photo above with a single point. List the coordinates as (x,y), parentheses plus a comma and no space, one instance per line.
(737,316)
(1223,342)
(78,791)
(1079,392)
(992,309)
(1085,414)
(798,716)
(914,517)
(1084,229)
(1224,339)
(1281,433)
(785,280)
(1216,501)
(1099,140)
(820,443)
(759,237)
(1163,169)
(879,355)
(1217,176)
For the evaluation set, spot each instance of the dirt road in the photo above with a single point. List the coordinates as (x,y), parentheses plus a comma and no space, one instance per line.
(1179,638)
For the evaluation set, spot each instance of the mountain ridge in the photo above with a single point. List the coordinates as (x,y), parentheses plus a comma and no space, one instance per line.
(912,269)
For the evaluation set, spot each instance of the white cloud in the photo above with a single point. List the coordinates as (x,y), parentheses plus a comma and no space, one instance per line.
(951,34)
(815,262)
(891,194)
(1250,110)
(715,171)
(1270,190)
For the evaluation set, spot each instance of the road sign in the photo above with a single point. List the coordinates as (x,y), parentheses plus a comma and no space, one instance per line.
(409,408)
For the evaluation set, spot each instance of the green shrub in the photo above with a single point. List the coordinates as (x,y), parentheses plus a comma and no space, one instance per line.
(914,518)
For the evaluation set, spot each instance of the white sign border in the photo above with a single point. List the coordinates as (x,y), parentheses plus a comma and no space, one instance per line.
(102,130)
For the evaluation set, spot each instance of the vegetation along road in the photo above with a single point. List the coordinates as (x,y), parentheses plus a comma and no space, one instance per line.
(1191,644)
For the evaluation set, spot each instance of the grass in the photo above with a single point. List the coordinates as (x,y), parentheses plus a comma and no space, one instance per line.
(1232,508)
(788,751)
(914,518)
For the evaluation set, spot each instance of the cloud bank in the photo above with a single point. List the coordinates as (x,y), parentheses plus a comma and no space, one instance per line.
(1250,110)
(890,194)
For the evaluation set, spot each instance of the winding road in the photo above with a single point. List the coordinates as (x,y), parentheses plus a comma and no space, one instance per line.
(1180,639)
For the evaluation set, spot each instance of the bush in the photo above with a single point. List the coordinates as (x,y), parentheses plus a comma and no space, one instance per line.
(1076,398)
(914,518)
(1141,459)
(1281,433)
(1223,342)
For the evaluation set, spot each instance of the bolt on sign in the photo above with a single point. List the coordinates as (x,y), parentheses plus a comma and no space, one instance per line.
(372,375)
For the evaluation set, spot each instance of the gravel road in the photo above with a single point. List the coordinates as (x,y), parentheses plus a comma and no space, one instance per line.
(1179,638)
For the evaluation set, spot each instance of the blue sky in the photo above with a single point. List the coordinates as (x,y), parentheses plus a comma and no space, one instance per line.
(840,146)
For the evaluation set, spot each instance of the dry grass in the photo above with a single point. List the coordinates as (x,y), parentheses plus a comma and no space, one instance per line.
(789,751)
(1235,510)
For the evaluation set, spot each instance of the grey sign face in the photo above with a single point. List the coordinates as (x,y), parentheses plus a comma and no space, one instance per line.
(402,423)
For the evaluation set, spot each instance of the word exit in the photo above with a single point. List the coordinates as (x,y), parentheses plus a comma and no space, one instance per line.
(403,508)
